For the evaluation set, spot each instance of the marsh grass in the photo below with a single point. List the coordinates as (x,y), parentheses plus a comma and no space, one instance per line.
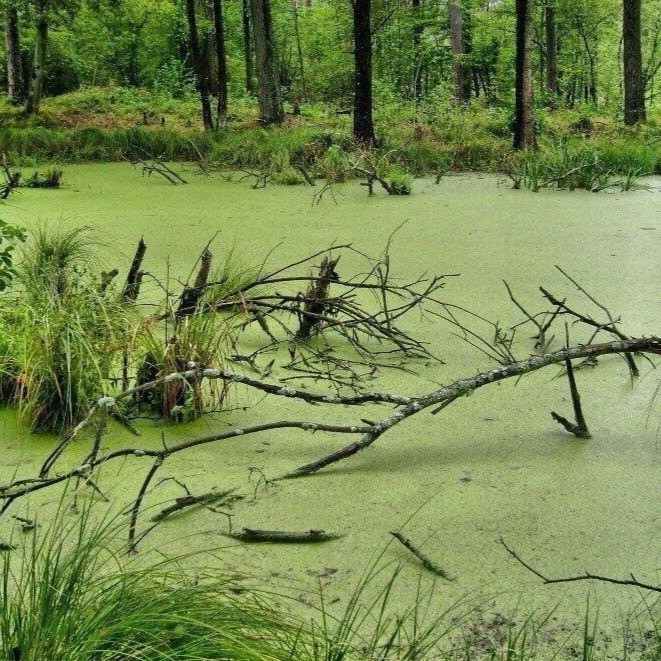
(202,340)
(69,592)
(62,336)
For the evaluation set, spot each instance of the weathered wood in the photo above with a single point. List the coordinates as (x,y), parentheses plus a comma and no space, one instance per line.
(191,296)
(190,500)
(135,275)
(426,561)
(284,536)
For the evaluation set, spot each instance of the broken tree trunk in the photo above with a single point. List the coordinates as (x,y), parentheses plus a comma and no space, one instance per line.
(191,296)
(135,275)
(316,300)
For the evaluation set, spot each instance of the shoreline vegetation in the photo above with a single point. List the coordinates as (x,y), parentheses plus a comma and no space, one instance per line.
(114,124)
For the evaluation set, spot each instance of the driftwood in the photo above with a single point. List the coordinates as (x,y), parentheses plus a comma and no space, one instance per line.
(284,536)
(427,563)
(580,427)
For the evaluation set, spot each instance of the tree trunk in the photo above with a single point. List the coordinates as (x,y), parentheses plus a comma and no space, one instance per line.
(268,80)
(418,29)
(221,54)
(524,129)
(199,63)
(15,82)
(551,53)
(39,65)
(634,83)
(247,46)
(363,123)
(460,73)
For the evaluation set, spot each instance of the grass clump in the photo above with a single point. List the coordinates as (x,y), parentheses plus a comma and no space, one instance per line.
(62,335)
(50,178)
(71,595)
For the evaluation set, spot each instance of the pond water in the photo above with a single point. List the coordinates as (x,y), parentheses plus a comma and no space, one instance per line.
(490,465)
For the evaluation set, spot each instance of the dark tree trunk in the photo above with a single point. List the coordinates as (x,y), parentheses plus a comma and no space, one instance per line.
(363,123)
(247,46)
(460,73)
(15,82)
(200,65)
(39,65)
(634,82)
(221,55)
(418,29)
(524,128)
(551,52)
(268,80)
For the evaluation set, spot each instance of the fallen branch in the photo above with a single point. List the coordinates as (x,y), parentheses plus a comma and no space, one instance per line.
(190,500)
(587,576)
(284,536)
(427,563)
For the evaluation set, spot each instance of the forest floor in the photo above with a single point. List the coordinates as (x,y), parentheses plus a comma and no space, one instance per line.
(493,465)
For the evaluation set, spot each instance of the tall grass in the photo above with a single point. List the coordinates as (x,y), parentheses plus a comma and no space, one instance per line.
(70,595)
(68,592)
(62,335)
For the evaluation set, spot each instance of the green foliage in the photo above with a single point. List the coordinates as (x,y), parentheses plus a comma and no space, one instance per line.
(201,340)
(400,181)
(61,335)
(10,237)
(50,178)
(68,594)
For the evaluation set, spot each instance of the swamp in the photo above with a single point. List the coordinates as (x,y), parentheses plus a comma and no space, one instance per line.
(306,363)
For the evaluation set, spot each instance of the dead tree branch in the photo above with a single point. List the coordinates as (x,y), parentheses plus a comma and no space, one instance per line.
(586,576)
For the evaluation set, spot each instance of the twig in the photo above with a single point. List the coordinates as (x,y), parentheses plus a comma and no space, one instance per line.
(427,563)
(587,576)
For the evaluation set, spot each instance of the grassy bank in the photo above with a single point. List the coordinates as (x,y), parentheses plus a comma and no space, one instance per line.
(114,124)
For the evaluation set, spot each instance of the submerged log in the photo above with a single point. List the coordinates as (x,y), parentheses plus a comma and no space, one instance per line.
(284,536)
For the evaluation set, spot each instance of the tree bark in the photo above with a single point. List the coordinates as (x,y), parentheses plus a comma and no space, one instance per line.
(418,29)
(199,63)
(551,53)
(634,83)
(221,55)
(524,129)
(363,122)
(39,64)
(15,82)
(247,46)
(268,80)
(460,73)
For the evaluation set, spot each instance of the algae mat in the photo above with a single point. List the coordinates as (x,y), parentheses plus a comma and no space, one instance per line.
(493,464)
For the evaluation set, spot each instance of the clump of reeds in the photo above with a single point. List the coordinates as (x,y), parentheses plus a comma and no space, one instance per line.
(62,332)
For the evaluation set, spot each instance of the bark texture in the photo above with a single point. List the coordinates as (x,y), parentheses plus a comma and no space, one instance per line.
(524,129)
(15,82)
(199,63)
(39,64)
(363,122)
(247,46)
(634,82)
(221,55)
(552,88)
(460,73)
(268,79)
